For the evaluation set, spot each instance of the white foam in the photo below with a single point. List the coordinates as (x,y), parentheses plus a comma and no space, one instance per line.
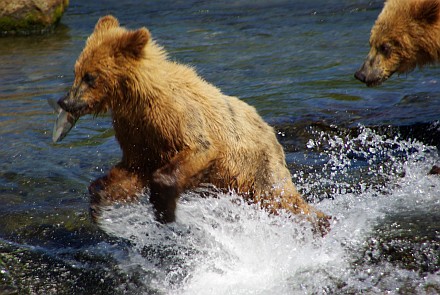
(221,246)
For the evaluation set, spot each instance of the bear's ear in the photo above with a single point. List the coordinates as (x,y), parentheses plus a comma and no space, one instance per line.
(426,11)
(132,43)
(106,22)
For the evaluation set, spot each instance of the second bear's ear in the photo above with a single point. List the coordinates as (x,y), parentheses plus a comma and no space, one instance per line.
(426,11)
(106,22)
(132,43)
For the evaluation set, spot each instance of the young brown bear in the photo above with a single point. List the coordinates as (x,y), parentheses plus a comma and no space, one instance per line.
(175,130)
(406,34)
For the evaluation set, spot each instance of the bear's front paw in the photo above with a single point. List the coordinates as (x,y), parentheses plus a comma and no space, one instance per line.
(95,212)
(96,186)
(164,194)
(164,206)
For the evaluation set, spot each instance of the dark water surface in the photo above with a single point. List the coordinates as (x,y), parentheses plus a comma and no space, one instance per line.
(360,154)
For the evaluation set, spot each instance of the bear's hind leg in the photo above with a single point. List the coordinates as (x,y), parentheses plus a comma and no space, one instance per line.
(286,197)
(297,205)
(434,170)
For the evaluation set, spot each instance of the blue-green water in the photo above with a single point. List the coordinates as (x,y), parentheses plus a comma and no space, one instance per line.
(361,154)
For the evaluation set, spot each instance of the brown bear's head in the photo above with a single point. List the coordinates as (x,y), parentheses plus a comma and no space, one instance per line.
(102,67)
(404,36)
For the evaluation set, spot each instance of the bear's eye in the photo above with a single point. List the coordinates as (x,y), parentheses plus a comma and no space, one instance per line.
(385,49)
(89,79)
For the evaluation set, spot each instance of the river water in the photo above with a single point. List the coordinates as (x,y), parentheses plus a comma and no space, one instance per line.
(359,154)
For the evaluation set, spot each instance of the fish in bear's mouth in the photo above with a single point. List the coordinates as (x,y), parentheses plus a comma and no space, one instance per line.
(64,123)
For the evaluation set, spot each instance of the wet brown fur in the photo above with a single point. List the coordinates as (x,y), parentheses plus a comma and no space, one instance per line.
(175,129)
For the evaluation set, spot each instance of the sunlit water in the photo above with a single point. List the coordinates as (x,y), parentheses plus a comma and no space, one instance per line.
(361,155)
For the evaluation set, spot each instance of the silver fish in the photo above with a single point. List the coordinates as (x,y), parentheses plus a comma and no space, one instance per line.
(65,121)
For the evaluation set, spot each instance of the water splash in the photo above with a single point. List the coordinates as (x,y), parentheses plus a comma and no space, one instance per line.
(221,245)
(360,160)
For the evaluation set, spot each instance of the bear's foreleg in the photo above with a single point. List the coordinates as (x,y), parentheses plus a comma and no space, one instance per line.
(119,185)
(183,171)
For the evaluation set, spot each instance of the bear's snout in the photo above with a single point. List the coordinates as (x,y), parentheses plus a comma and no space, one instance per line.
(73,105)
(370,73)
(360,75)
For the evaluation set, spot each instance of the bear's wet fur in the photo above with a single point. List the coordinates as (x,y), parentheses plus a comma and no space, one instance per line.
(176,130)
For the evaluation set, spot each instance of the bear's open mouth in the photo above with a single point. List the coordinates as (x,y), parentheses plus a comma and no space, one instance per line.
(378,81)
(374,83)
(370,80)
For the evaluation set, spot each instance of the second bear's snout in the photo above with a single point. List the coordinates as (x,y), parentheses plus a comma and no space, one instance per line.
(360,75)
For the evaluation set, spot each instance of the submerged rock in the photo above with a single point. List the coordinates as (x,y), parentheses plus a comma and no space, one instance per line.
(63,254)
(409,240)
(24,17)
